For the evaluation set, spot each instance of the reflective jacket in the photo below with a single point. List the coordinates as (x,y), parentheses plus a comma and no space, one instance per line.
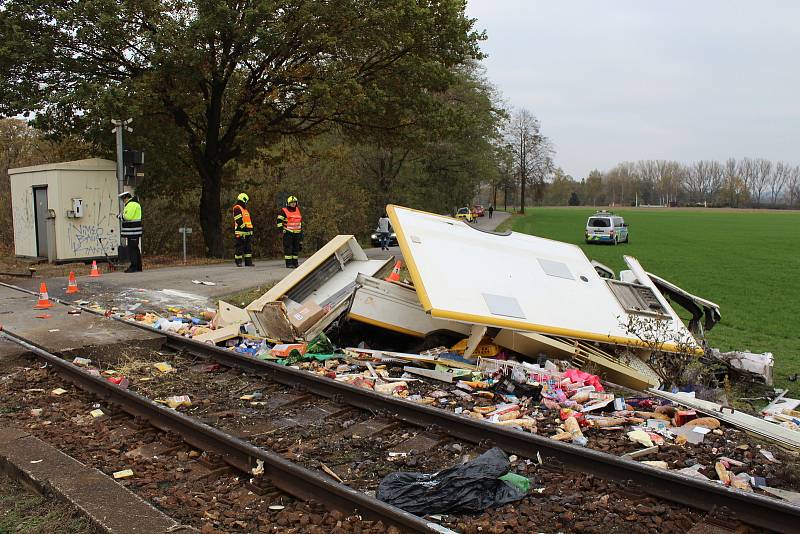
(291,220)
(242,225)
(132,219)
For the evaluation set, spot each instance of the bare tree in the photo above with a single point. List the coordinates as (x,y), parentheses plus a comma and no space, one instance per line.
(793,185)
(697,181)
(777,180)
(748,171)
(732,181)
(716,179)
(533,152)
(762,168)
(669,177)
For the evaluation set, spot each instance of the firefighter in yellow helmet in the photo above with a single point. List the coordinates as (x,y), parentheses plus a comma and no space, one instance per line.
(290,223)
(243,231)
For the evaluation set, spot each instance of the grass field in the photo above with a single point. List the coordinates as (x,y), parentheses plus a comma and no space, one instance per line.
(748,262)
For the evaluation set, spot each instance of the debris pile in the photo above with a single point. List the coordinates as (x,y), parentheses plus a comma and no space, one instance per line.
(545,342)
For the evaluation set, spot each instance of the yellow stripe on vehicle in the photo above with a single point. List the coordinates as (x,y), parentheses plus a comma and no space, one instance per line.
(405,249)
(387,326)
(552,330)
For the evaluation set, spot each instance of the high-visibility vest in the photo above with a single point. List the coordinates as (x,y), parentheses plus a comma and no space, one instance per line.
(294,220)
(131,219)
(242,224)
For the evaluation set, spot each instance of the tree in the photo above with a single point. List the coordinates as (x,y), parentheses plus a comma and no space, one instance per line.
(533,152)
(227,76)
(574,200)
(777,180)
(793,185)
(559,189)
(594,186)
(762,169)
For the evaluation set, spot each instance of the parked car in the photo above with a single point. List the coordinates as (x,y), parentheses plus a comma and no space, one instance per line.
(466,214)
(606,227)
(376,242)
(478,210)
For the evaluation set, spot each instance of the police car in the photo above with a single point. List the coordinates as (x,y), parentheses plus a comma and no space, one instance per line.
(606,227)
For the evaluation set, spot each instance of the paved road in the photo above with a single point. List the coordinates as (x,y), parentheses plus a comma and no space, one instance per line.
(227,277)
(163,287)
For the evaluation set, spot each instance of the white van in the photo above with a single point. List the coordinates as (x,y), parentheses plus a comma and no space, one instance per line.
(605,227)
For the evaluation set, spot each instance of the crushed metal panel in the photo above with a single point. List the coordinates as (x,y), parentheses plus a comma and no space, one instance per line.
(396,307)
(438,248)
(299,274)
(327,277)
(695,305)
(636,298)
(603,270)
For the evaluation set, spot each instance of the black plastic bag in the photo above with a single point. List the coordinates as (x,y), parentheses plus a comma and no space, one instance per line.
(471,487)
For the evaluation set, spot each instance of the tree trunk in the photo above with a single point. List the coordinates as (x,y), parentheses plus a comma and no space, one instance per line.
(210,217)
(522,181)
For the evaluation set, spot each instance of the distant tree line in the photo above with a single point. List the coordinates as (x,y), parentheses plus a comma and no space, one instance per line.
(743,183)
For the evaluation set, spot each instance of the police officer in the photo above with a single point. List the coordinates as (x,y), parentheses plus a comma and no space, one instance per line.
(290,223)
(132,230)
(243,231)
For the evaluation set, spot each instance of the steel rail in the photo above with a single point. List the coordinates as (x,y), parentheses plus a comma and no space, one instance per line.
(283,474)
(756,510)
(753,509)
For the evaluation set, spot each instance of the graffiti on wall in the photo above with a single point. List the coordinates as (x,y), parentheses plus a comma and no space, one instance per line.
(85,239)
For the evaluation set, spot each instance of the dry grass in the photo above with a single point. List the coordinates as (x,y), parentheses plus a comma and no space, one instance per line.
(24,512)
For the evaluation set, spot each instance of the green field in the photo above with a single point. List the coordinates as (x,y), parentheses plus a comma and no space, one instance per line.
(748,262)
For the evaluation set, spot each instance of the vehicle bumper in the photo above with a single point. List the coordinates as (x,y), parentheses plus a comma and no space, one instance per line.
(599,239)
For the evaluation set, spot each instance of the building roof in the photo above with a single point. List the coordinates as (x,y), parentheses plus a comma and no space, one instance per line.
(91,164)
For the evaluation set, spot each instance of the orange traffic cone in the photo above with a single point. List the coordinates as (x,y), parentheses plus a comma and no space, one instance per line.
(95,273)
(72,285)
(44,298)
(395,276)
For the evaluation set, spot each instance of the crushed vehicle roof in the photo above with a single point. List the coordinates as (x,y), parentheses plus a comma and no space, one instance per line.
(528,283)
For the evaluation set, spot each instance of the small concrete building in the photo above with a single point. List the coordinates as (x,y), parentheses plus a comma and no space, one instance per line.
(65,211)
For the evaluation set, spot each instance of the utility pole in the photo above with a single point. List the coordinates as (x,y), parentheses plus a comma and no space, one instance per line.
(119,126)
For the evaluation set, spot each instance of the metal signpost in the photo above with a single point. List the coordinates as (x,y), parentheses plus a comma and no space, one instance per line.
(185,231)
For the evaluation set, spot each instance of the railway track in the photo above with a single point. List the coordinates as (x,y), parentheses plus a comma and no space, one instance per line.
(312,400)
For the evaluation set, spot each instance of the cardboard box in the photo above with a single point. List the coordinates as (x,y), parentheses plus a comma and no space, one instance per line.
(303,316)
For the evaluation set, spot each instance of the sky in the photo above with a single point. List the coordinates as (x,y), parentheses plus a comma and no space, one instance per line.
(624,80)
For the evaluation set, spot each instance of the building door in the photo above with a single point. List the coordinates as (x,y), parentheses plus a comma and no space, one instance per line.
(40,211)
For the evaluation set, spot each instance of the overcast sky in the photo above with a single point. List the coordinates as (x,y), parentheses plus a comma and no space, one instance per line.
(617,80)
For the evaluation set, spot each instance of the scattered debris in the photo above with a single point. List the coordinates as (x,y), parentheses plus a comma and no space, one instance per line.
(125,473)
(176,401)
(164,367)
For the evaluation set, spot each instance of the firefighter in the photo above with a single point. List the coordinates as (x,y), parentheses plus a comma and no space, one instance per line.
(131,217)
(290,223)
(243,230)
